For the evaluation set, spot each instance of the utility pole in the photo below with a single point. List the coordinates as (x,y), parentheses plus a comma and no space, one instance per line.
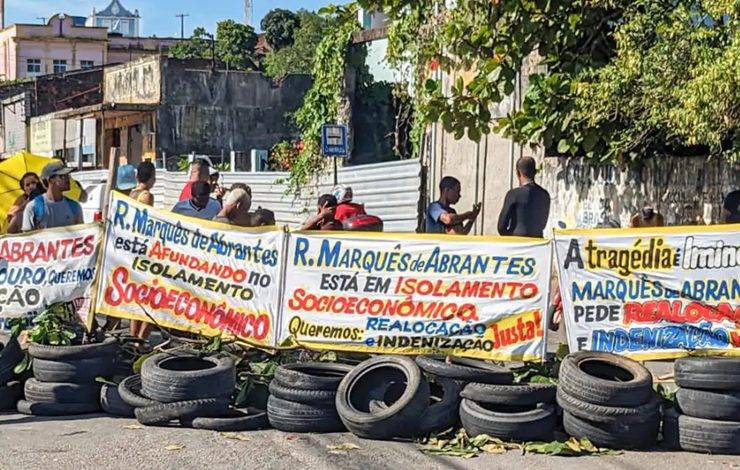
(43,19)
(248,12)
(182,24)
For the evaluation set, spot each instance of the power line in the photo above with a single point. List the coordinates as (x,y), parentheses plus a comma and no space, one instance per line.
(182,24)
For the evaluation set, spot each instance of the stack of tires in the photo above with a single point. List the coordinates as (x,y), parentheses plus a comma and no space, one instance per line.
(192,391)
(708,400)
(608,399)
(64,380)
(10,390)
(302,397)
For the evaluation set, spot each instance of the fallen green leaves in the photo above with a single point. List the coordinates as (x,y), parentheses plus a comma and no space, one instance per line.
(341,448)
(235,436)
(460,445)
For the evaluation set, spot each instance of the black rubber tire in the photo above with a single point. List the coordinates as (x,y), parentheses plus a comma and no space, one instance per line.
(290,416)
(309,397)
(709,404)
(312,375)
(130,392)
(608,414)
(159,382)
(708,373)
(10,356)
(163,413)
(53,392)
(108,347)
(75,371)
(616,434)
(517,394)
(9,395)
(631,383)
(468,370)
(234,420)
(700,435)
(368,381)
(535,424)
(111,403)
(57,409)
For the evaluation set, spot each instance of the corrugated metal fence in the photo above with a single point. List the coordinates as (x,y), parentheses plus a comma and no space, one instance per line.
(389,190)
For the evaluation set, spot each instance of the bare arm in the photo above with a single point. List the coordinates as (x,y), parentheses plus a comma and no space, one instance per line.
(451,220)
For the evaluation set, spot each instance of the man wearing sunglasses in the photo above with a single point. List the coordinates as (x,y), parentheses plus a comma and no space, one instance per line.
(52,208)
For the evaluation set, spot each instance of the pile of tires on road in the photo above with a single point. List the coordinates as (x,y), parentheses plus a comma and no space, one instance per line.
(10,390)
(608,399)
(64,381)
(708,401)
(185,389)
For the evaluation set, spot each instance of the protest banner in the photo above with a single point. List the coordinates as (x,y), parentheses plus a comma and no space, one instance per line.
(190,274)
(651,293)
(480,297)
(46,267)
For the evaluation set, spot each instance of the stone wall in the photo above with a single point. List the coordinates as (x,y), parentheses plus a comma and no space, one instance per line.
(585,195)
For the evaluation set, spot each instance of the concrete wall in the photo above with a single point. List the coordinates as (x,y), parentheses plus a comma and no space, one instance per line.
(14,113)
(586,195)
(214,112)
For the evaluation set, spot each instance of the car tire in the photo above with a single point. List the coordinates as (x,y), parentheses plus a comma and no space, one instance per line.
(130,392)
(163,413)
(309,397)
(526,423)
(234,420)
(368,381)
(517,394)
(10,356)
(467,370)
(290,416)
(111,402)
(709,404)
(168,379)
(700,435)
(615,434)
(53,392)
(708,373)
(605,379)
(9,395)
(72,371)
(608,414)
(108,347)
(57,409)
(312,375)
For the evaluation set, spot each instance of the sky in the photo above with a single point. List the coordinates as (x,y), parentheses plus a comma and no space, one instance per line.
(157,16)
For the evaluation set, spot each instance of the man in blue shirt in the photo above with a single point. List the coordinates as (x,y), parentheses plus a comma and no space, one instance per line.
(200,205)
(442,218)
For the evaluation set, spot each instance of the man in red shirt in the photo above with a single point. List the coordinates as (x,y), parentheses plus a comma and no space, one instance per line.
(198,172)
(346,209)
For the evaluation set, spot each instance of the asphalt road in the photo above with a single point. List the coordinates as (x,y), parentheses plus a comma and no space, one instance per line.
(102,442)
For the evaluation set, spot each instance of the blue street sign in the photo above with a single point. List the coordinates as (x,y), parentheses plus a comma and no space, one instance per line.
(334,140)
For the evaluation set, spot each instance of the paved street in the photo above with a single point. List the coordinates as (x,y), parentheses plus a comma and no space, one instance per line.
(97,441)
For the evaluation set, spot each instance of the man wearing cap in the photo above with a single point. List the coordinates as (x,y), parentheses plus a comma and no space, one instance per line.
(52,209)
(200,205)
(126,179)
(199,171)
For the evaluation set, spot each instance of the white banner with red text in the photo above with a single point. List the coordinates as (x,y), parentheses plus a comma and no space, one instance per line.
(190,274)
(46,267)
(482,297)
(651,293)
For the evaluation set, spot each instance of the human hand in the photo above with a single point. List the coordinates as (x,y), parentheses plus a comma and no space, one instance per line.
(327,212)
(476,210)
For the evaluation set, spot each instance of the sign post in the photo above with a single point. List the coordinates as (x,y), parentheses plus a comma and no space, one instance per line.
(334,143)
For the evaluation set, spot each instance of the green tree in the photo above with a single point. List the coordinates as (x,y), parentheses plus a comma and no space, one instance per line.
(198,46)
(299,56)
(235,44)
(279,26)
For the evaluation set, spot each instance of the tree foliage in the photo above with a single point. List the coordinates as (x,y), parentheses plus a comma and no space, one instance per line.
(233,45)
(279,26)
(298,57)
(622,79)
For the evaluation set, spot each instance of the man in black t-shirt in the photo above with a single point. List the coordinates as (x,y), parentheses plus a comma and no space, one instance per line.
(526,208)
(731,208)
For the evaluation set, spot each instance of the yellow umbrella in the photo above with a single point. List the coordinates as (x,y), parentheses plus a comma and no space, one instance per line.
(12,170)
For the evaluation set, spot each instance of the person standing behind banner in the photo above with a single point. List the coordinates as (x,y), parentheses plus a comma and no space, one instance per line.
(52,209)
(647,217)
(199,169)
(442,218)
(146,176)
(324,217)
(731,208)
(526,208)
(30,183)
(236,208)
(200,205)
(346,209)
(125,179)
